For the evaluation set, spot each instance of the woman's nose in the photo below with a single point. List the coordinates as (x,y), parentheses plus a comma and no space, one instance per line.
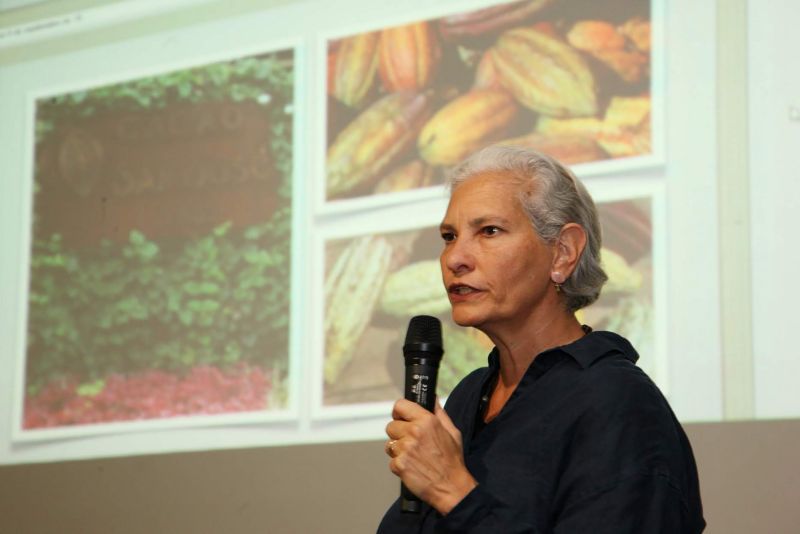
(457,257)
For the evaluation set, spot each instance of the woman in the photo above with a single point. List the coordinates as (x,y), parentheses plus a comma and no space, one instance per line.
(561,432)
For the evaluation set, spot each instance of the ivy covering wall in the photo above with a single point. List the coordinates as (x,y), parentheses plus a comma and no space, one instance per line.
(148,304)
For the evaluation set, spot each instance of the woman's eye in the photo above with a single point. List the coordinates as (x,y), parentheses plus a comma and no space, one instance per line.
(490,230)
(448,236)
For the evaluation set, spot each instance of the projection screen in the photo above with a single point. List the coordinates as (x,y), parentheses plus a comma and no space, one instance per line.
(215,235)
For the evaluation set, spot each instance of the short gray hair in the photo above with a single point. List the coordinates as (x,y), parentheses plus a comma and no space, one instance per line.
(552,196)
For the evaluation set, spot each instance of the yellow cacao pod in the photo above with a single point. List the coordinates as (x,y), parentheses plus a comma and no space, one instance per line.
(416,289)
(584,126)
(352,289)
(467,123)
(366,147)
(353,68)
(622,278)
(408,56)
(626,127)
(637,30)
(544,74)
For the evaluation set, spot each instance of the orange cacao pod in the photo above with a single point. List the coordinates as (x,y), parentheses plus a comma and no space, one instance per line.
(408,56)
(602,40)
(486,74)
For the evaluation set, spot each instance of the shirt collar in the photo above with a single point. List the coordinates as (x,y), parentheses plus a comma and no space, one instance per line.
(595,345)
(585,350)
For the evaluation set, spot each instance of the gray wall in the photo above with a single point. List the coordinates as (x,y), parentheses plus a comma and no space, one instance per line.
(748,473)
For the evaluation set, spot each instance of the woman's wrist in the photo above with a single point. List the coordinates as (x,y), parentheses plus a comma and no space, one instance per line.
(459,488)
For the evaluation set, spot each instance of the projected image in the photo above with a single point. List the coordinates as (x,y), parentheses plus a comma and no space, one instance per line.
(626,303)
(566,78)
(395,276)
(160,263)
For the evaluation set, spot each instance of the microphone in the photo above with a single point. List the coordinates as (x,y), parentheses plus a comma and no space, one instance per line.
(422,352)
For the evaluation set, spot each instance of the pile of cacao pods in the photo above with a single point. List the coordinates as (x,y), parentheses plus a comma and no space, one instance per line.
(568,78)
(388,278)
(406,103)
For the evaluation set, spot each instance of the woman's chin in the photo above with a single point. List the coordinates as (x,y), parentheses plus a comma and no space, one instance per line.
(463,318)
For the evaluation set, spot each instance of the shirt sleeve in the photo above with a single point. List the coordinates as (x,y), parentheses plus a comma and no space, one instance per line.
(481,512)
(627,467)
(640,503)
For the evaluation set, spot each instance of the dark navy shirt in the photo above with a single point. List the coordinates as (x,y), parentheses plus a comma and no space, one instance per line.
(585,444)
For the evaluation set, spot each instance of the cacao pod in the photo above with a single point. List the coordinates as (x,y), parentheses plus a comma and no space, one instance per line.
(622,278)
(354,65)
(372,141)
(544,74)
(627,228)
(412,175)
(627,111)
(490,20)
(357,276)
(467,123)
(591,35)
(626,127)
(583,126)
(416,289)
(486,74)
(408,56)
(603,41)
(569,149)
(638,31)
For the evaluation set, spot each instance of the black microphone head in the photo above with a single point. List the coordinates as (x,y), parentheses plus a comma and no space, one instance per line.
(424,334)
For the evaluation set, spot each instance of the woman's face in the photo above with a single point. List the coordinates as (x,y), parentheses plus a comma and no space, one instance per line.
(496,269)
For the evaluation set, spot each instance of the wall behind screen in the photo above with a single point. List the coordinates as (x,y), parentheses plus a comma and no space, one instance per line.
(345,488)
(689,318)
(774,115)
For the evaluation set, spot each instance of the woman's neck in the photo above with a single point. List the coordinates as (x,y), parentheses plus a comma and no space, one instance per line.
(518,348)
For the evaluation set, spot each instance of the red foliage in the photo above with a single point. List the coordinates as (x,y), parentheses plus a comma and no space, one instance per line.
(150,395)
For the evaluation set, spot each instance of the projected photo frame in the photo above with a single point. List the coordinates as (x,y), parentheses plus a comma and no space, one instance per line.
(160,251)
(373,283)
(407,102)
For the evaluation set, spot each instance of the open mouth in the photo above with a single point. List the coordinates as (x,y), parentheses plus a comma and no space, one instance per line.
(461,289)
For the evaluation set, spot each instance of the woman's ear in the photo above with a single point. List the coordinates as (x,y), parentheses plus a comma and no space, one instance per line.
(568,248)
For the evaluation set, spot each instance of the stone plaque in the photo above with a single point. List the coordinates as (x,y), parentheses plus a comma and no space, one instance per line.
(172,172)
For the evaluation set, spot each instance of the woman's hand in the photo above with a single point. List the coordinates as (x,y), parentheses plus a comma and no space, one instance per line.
(427,455)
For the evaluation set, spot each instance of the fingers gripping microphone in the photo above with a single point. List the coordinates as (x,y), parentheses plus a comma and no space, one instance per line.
(423,352)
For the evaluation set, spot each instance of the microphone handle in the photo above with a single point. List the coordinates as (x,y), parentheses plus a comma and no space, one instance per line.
(421,374)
